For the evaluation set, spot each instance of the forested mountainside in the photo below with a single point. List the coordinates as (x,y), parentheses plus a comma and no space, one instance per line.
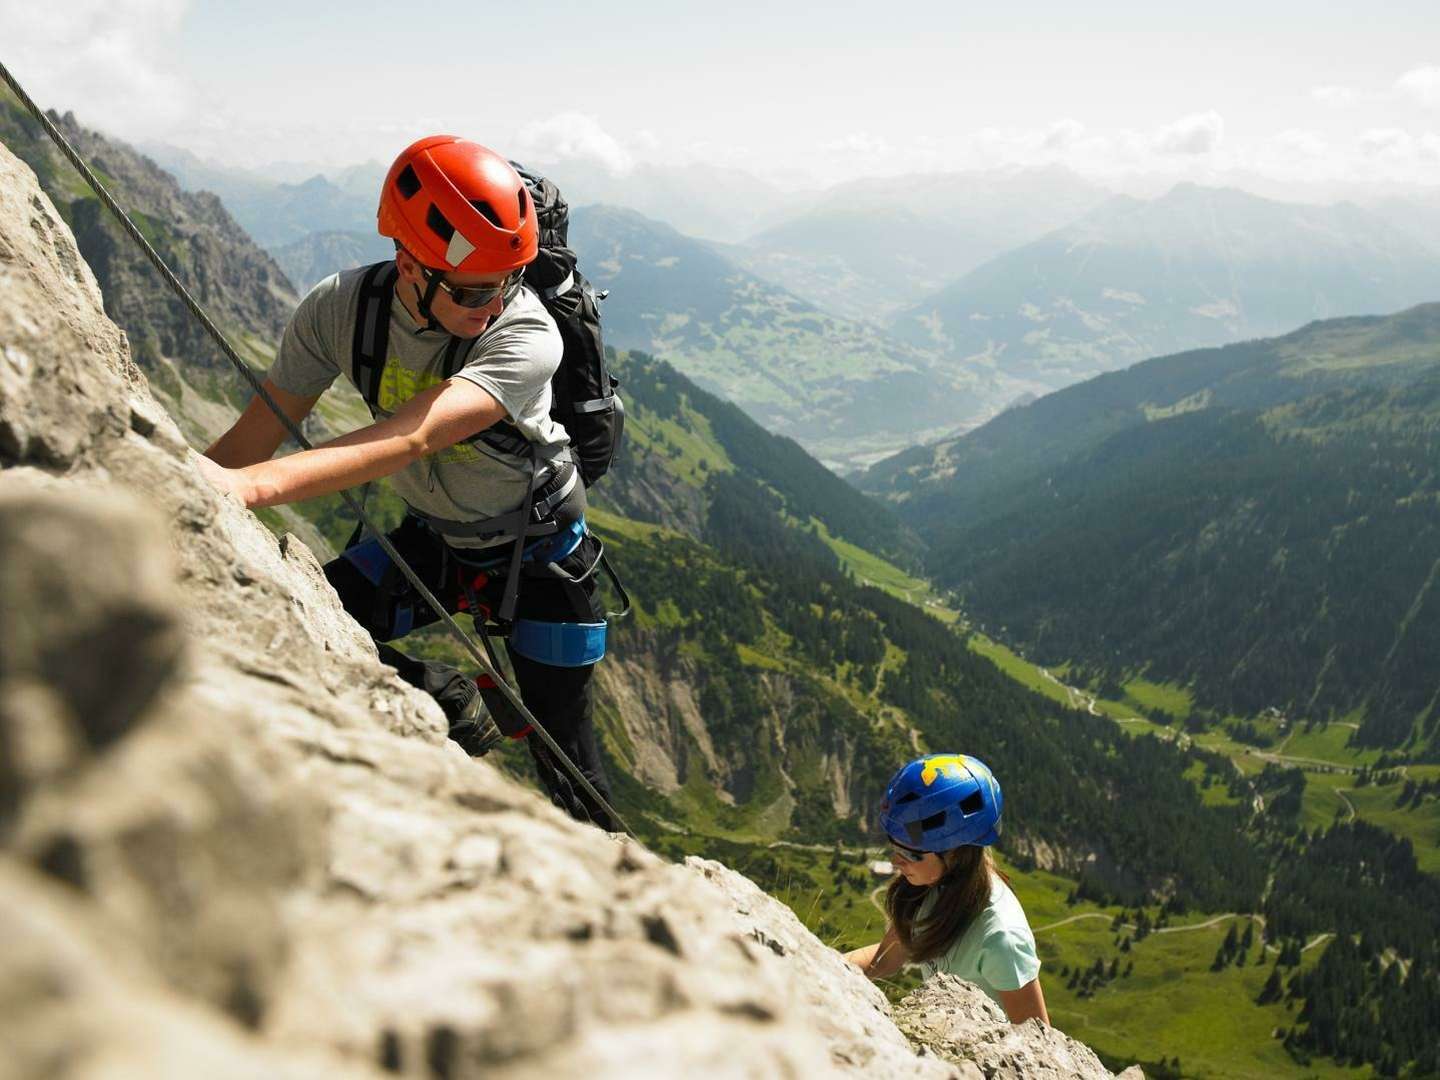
(1261,522)
(1199,266)
(241,287)
(845,390)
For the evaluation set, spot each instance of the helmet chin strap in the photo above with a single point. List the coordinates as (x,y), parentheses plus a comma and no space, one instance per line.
(422,301)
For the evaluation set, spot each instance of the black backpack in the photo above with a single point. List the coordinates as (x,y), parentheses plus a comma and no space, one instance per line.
(583,398)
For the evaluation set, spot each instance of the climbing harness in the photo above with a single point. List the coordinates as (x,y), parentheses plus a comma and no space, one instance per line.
(487,665)
(595,425)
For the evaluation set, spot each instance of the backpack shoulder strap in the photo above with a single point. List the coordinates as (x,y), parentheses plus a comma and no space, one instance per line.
(372,330)
(502,435)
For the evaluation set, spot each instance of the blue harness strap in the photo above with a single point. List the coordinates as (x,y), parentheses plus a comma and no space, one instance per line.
(375,566)
(546,549)
(393,609)
(559,644)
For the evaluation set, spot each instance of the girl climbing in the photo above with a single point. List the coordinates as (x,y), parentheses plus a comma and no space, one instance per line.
(949,908)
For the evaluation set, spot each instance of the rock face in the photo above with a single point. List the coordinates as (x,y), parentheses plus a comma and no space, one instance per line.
(234,844)
(947,1017)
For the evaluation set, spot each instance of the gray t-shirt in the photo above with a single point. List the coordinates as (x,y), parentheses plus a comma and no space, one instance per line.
(512,360)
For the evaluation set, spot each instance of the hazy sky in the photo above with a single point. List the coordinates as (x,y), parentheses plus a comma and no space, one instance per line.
(1299,91)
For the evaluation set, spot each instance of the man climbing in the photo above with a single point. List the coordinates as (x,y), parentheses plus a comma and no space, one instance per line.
(454,352)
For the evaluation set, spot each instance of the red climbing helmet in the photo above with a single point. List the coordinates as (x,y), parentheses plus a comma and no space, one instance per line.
(456,205)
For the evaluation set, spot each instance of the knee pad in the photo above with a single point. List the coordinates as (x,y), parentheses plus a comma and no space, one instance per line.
(559,644)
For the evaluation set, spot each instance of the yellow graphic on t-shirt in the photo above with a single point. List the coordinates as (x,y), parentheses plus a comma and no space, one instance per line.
(932,767)
(398,384)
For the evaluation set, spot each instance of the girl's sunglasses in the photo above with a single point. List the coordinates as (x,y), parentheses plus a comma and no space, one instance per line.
(906,854)
(477,296)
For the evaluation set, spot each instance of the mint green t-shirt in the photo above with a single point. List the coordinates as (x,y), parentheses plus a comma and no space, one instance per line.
(997,950)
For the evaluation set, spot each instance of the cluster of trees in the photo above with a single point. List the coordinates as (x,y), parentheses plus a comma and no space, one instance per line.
(1375,994)
(1366,775)
(1413,794)
(1283,788)
(1246,731)
(1356,878)
(1367,1005)
(1235,949)
(1084,982)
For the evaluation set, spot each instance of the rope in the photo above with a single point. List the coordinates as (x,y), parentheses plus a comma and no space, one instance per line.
(295,433)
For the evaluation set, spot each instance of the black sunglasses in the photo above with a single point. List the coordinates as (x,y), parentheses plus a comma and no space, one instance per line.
(476,296)
(907,854)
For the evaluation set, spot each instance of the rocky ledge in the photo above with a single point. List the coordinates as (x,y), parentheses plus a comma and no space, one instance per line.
(232,844)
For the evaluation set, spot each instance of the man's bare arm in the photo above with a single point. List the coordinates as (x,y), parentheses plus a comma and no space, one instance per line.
(258,433)
(424,425)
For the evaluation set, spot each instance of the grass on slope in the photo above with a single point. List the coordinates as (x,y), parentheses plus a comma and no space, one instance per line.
(691,450)
(871,569)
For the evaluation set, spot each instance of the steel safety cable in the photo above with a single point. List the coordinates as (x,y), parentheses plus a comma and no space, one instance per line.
(501,683)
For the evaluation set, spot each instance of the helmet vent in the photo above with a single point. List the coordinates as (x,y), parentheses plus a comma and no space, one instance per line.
(407,182)
(972,803)
(523,198)
(934,821)
(487,211)
(439,223)
(909,796)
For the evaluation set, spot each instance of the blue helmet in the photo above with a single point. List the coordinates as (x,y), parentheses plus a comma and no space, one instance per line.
(942,801)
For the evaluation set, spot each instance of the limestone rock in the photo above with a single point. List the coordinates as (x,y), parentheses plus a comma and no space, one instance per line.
(960,1023)
(232,843)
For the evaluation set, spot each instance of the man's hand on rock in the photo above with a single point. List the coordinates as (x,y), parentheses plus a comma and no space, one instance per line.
(231,482)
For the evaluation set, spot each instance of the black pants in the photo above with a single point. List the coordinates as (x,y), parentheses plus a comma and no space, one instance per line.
(385,604)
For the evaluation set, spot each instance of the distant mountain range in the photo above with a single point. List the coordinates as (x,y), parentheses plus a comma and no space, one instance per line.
(317,255)
(1260,522)
(277,213)
(840,387)
(1199,266)
(871,248)
(705,201)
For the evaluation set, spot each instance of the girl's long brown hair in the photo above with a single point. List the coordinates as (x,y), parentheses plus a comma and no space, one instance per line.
(960,895)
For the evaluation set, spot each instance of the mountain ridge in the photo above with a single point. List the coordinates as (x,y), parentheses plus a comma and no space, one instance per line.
(1195,268)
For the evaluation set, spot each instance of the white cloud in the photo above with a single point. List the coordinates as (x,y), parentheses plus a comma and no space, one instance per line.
(111,61)
(1199,133)
(572,135)
(1300,144)
(1062,134)
(860,146)
(1337,97)
(1383,141)
(1421,84)
(1392,145)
